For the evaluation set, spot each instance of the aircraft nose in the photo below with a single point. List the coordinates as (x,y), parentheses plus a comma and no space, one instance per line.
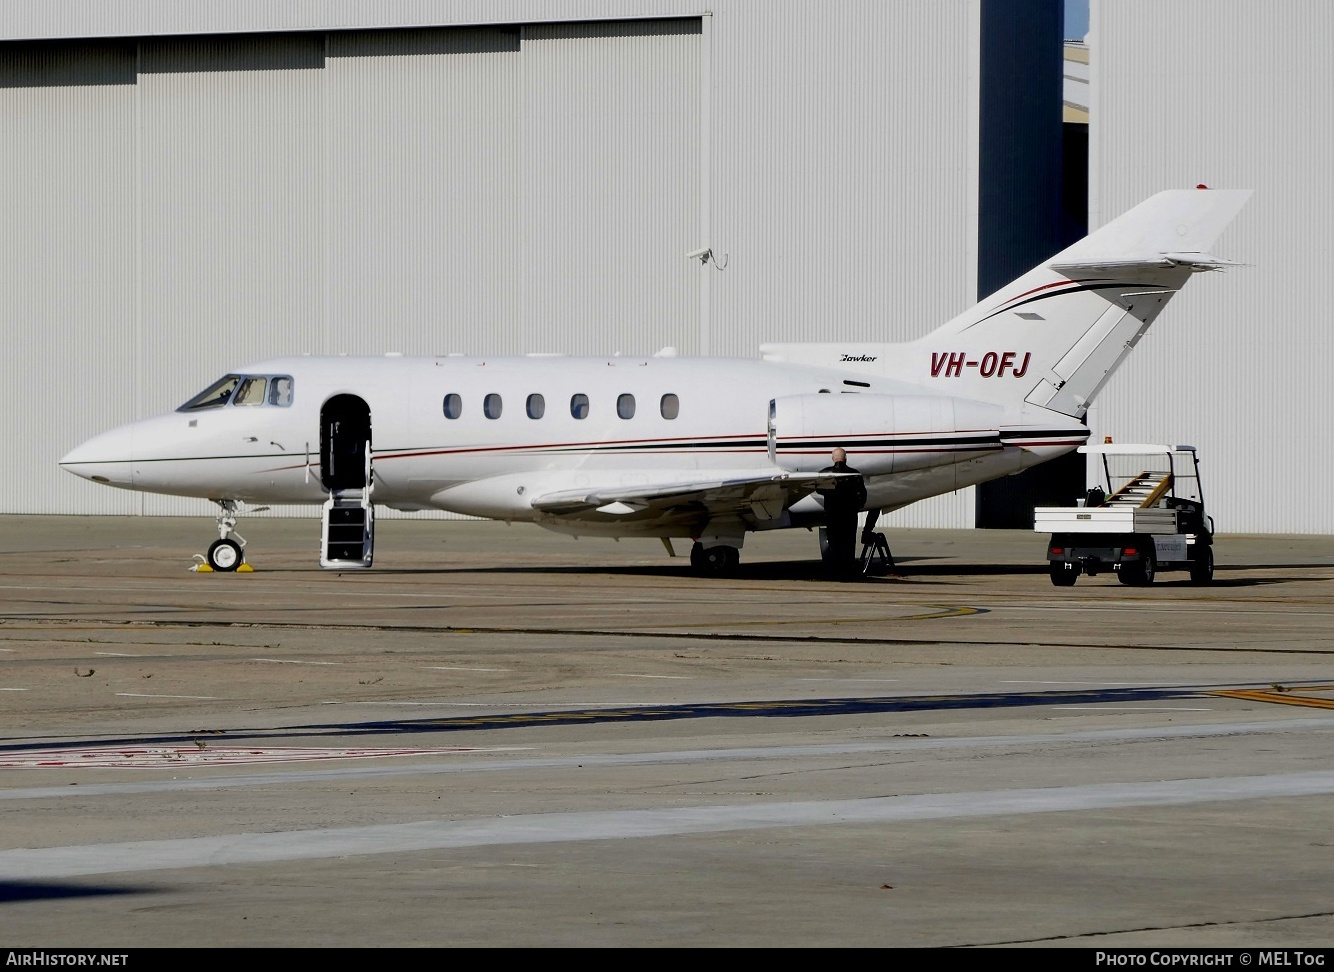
(107,458)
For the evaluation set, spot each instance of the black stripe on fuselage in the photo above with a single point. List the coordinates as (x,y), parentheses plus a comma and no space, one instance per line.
(720,444)
(1045,434)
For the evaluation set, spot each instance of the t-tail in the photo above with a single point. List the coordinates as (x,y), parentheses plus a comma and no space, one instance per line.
(1056,335)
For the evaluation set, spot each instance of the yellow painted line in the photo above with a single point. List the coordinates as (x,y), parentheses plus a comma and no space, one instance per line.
(1280,697)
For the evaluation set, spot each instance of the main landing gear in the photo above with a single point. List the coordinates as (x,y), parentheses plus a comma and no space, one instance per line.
(225,554)
(715,559)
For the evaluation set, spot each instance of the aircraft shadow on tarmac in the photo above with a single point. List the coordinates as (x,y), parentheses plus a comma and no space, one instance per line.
(747,710)
(11,891)
(908,569)
(803,570)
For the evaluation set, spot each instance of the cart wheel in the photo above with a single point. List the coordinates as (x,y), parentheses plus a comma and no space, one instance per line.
(1138,573)
(1202,567)
(1148,569)
(1063,575)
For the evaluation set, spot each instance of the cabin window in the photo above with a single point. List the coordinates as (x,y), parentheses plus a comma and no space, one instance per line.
(214,396)
(537,406)
(251,392)
(453,406)
(670,406)
(625,406)
(280,391)
(579,406)
(491,406)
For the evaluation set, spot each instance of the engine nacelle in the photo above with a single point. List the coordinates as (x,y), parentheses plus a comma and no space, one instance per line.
(881,433)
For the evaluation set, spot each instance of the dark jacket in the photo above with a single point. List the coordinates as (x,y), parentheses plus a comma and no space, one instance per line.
(848,494)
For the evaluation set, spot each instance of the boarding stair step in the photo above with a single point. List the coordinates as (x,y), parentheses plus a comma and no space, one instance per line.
(349,524)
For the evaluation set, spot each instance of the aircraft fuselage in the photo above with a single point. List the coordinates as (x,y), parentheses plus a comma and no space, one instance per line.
(487,436)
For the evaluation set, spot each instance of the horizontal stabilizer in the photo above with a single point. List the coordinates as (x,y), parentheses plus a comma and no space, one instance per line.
(1176,227)
(1192,261)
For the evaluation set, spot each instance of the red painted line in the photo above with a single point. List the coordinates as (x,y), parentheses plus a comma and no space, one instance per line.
(1038,290)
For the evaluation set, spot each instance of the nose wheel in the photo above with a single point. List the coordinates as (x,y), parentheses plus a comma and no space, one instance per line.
(226,554)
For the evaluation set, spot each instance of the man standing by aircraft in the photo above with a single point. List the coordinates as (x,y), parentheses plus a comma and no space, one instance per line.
(842,502)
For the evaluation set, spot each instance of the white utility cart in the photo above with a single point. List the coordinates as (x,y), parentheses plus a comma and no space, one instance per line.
(1147,515)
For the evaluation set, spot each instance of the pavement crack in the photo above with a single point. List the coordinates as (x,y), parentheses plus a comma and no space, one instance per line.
(1150,928)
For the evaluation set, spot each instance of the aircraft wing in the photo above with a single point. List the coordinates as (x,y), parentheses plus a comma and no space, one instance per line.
(763,496)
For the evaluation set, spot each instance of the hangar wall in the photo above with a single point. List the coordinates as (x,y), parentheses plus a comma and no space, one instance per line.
(188,186)
(1222,92)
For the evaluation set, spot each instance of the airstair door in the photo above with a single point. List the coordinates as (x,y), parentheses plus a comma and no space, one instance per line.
(348,538)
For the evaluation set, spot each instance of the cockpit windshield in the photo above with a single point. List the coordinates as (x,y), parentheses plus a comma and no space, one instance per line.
(243,390)
(214,396)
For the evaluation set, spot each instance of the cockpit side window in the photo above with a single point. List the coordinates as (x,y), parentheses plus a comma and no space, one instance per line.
(214,396)
(251,392)
(280,391)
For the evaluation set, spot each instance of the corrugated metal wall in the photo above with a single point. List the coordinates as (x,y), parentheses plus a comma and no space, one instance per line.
(1228,93)
(613,181)
(425,136)
(500,189)
(844,170)
(68,265)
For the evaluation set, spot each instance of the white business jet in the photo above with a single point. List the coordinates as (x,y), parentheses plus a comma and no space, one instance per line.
(701,448)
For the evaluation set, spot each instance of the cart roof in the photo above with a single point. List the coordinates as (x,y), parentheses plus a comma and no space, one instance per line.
(1134,449)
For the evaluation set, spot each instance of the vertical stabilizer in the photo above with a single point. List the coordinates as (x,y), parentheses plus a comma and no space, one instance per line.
(1055,336)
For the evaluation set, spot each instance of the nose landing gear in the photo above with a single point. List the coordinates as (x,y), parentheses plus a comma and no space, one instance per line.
(225,554)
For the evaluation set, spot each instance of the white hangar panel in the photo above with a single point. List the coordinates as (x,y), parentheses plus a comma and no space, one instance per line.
(612,175)
(844,170)
(499,191)
(232,214)
(1220,92)
(426,228)
(67,267)
(138,18)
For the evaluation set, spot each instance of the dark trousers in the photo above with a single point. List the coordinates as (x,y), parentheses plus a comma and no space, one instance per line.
(841,532)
